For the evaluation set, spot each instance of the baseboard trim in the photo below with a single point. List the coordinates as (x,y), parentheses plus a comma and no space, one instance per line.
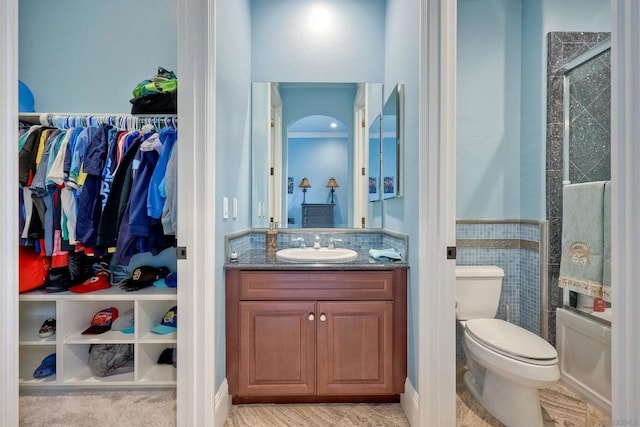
(222,404)
(410,404)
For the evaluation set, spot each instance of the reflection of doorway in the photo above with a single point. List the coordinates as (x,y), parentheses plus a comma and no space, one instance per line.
(274,189)
(317,148)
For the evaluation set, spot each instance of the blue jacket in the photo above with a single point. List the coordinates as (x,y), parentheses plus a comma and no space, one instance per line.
(155,199)
(138,232)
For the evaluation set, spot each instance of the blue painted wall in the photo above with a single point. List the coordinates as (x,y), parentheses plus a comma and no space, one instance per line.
(540,18)
(87,56)
(290,46)
(502,100)
(402,37)
(488,109)
(233,148)
(319,159)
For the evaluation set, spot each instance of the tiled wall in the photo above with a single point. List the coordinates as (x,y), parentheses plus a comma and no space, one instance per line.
(515,246)
(590,120)
(562,47)
(364,239)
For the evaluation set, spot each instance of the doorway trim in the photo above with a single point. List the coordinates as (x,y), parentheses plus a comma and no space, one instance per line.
(625,204)
(9,357)
(436,226)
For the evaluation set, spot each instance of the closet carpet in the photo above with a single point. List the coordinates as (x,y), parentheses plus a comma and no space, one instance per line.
(81,408)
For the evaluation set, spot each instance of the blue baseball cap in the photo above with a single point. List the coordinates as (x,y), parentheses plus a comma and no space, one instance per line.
(171,281)
(124,323)
(47,367)
(169,322)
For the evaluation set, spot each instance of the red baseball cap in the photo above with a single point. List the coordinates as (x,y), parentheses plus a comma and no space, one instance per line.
(102,321)
(100,280)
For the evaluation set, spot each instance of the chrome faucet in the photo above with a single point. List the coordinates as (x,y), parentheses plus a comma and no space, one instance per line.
(300,241)
(332,243)
(316,243)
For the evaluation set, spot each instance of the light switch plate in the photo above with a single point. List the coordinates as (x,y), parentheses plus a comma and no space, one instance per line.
(225,208)
(234,208)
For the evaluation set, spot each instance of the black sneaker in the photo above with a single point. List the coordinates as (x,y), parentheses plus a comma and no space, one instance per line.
(48,328)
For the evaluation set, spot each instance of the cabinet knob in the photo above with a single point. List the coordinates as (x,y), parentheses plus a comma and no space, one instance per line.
(323,317)
(311,316)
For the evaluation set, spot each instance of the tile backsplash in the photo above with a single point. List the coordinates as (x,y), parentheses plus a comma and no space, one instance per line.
(352,239)
(516,247)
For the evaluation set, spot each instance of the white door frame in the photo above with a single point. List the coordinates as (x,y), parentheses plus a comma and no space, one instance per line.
(360,156)
(436,226)
(9,355)
(276,180)
(625,205)
(197,207)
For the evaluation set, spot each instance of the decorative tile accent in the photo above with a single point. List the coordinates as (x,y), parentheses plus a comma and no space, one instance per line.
(488,243)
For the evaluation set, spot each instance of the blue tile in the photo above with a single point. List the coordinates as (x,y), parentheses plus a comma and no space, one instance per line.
(520,296)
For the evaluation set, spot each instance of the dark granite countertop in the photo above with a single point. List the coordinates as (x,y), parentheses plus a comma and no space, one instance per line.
(259,259)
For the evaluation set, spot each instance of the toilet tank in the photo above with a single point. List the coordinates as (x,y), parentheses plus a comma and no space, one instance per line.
(478,291)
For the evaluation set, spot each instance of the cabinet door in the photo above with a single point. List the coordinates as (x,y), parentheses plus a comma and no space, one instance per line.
(277,348)
(355,348)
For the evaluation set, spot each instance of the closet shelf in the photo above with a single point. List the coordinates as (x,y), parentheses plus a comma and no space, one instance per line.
(73,314)
(149,293)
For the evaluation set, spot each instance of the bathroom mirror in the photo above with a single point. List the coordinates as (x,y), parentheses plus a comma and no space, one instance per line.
(392,184)
(316,131)
(375,131)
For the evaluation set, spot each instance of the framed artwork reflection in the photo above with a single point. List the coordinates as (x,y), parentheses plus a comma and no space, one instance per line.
(388,184)
(373,185)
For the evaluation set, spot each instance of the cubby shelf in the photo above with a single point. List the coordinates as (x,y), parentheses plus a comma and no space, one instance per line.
(73,313)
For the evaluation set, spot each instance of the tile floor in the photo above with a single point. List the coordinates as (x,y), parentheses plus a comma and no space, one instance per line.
(560,407)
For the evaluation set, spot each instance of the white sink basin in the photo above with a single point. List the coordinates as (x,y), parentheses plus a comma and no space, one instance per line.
(325,255)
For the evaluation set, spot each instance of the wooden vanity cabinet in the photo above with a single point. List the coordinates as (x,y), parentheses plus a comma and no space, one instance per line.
(315,335)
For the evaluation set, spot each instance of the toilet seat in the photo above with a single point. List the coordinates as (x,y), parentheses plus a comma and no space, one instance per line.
(512,341)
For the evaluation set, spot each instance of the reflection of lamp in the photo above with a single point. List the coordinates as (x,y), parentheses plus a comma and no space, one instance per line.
(304,184)
(332,184)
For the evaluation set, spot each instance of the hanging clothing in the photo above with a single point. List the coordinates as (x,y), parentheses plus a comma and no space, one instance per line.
(156,199)
(92,189)
(90,204)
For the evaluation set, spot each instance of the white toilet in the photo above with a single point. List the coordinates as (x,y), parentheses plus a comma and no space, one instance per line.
(506,363)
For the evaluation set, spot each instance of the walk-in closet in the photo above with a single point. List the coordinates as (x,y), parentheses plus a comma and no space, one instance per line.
(97,137)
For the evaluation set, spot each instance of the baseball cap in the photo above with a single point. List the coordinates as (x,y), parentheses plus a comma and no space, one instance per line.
(100,280)
(144,276)
(124,323)
(171,281)
(47,367)
(102,321)
(166,357)
(169,322)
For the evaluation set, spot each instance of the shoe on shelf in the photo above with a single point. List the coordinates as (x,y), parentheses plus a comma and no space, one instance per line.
(48,328)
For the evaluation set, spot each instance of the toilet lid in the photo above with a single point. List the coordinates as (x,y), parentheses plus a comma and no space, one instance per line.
(511,340)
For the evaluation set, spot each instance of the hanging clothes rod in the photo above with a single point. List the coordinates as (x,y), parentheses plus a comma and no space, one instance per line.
(119,121)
